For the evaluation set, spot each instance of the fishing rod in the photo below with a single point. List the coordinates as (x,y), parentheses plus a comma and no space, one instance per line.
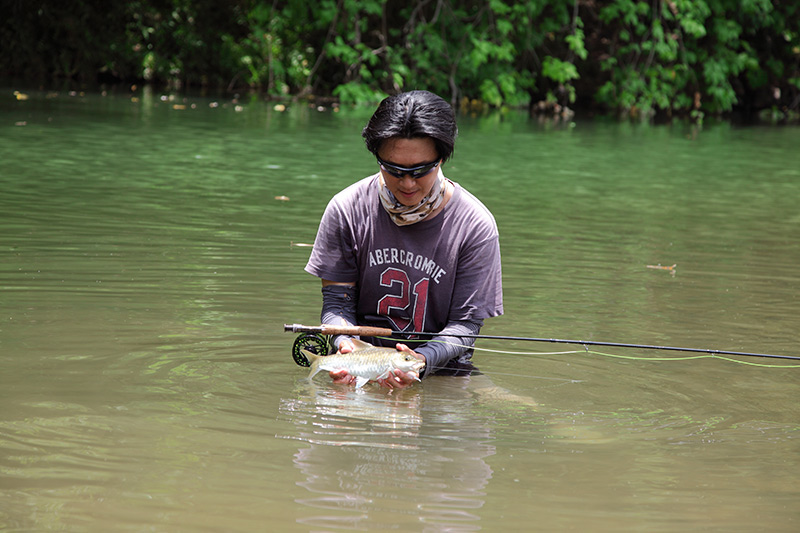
(371,331)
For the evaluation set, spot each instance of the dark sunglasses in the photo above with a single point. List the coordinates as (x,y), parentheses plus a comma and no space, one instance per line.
(415,172)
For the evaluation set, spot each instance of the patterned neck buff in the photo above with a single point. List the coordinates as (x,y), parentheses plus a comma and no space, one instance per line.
(404,215)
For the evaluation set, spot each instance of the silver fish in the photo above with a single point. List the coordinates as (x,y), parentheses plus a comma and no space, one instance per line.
(366,362)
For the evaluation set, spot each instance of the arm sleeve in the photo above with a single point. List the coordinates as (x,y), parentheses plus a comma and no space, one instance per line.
(339,308)
(447,344)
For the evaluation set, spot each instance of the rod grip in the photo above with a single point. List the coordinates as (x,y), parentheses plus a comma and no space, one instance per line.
(328,329)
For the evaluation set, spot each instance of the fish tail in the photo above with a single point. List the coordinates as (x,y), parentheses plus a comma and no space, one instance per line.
(315,359)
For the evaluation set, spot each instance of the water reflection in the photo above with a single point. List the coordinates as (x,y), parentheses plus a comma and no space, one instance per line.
(385,461)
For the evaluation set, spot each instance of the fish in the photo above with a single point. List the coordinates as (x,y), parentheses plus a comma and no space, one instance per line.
(366,362)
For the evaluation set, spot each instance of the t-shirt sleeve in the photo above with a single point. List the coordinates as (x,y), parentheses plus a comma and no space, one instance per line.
(333,256)
(478,291)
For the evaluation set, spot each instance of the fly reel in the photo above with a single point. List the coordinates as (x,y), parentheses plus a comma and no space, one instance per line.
(313,342)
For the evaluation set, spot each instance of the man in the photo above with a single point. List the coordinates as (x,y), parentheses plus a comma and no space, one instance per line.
(407,248)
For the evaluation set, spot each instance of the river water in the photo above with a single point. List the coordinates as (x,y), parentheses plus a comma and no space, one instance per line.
(151,250)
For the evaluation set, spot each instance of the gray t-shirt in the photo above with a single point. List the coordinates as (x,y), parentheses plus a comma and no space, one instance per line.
(411,278)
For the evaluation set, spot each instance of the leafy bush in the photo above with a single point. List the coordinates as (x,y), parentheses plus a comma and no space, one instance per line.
(637,57)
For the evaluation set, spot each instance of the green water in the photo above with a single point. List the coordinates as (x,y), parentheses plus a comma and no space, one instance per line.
(147,269)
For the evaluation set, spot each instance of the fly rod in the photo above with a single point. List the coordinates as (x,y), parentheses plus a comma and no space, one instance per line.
(370,331)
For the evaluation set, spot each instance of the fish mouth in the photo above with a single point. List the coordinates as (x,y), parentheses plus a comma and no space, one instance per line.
(418,366)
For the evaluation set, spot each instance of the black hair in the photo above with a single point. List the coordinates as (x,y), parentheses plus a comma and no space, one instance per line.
(411,115)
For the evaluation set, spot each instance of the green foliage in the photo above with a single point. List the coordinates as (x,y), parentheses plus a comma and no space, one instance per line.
(358,93)
(693,55)
(640,57)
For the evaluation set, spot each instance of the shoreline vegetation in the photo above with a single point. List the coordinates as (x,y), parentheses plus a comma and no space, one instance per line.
(655,59)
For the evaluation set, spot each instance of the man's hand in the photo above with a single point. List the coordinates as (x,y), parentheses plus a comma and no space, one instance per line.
(341,376)
(397,379)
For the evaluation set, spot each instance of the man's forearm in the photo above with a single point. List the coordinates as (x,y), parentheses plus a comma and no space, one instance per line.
(339,308)
(447,344)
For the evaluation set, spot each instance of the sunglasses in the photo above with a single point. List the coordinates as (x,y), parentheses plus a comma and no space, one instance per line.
(401,172)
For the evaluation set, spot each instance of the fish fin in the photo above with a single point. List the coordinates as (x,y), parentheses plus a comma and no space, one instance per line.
(314,370)
(361,381)
(358,344)
(311,356)
(315,360)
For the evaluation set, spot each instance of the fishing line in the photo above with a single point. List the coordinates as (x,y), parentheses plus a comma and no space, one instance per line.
(708,356)
(611,355)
